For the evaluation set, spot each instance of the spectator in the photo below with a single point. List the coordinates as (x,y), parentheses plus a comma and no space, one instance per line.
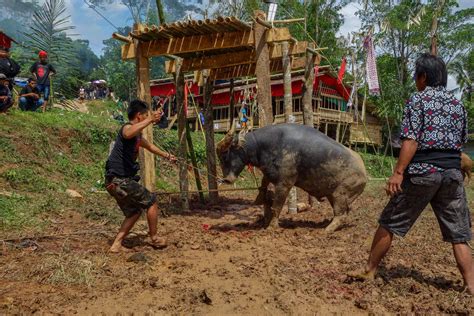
(5,94)
(30,97)
(42,72)
(8,66)
(82,94)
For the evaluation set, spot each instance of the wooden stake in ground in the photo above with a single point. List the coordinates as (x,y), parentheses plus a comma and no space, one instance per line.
(262,72)
(307,99)
(183,168)
(232,103)
(147,159)
(210,145)
(288,103)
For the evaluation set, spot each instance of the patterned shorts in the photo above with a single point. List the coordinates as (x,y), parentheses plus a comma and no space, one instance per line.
(131,197)
(444,191)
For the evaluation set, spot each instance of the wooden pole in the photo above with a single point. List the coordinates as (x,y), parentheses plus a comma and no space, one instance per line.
(210,145)
(288,103)
(194,162)
(262,72)
(232,103)
(182,153)
(308,117)
(146,159)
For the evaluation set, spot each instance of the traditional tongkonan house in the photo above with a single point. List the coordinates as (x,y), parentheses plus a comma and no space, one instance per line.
(332,113)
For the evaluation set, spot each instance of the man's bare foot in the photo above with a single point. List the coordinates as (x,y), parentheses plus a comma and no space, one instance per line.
(119,248)
(361,275)
(158,242)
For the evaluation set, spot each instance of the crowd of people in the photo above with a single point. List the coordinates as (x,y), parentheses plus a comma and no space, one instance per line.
(35,94)
(94,91)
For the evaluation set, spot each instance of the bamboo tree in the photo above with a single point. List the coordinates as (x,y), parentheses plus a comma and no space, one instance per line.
(161,13)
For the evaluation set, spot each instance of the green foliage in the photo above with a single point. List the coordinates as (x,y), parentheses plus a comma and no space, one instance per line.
(377,165)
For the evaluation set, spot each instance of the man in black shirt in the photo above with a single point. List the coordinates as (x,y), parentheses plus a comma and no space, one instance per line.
(8,66)
(30,97)
(42,71)
(5,95)
(121,178)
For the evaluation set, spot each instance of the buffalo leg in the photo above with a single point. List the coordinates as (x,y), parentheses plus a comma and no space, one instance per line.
(281,193)
(340,208)
(262,192)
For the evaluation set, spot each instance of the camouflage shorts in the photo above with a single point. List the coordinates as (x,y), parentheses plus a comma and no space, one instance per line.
(444,191)
(131,197)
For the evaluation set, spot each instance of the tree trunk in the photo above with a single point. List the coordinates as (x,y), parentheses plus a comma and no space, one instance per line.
(262,72)
(161,13)
(308,117)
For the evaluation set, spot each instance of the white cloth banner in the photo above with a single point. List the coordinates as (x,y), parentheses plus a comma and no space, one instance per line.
(371,67)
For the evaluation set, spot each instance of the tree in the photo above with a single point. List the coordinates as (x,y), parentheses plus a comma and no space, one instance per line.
(48,33)
(402,31)
(118,73)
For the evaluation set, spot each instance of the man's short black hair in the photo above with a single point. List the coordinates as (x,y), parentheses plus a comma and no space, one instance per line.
(434,68)
(31,79)
(135,107)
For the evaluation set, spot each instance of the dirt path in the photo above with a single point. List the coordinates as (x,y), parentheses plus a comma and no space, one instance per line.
(219,263)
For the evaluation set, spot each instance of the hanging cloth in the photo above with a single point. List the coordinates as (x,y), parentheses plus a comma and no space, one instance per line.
(371,66)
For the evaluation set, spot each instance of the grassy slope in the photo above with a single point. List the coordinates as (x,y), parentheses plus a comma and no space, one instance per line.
(43,154)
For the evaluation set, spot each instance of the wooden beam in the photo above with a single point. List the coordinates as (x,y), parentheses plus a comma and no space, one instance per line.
(262,71)
(202,43)
(121,38)
(146,159)
(182,149)
(250,69)
(232,59)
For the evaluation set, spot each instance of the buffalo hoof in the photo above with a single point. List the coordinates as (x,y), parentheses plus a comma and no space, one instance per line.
(335,224)
(274,224)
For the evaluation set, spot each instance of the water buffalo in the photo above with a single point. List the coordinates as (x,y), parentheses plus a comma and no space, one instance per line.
(295,155)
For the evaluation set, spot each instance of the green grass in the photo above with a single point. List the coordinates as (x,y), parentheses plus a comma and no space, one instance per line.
(377,165)
(43,154)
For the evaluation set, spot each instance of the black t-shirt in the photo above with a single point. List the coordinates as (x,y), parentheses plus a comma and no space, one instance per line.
(27,90)
(42,72)
(4,91)
(122,161)
(9,67)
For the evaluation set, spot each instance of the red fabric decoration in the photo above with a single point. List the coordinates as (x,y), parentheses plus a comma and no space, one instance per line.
(342,70)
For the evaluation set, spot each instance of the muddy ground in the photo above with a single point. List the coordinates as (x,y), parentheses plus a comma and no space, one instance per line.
(219,263)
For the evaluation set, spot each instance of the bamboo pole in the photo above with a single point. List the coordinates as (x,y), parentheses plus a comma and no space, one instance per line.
(288,21)
(194,163)
(121,38)
(183,169)
(264,23)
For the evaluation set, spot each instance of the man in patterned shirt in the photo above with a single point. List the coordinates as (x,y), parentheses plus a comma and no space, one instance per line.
(434,129)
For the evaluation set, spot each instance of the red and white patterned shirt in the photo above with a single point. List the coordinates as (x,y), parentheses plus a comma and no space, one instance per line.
(436,120)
